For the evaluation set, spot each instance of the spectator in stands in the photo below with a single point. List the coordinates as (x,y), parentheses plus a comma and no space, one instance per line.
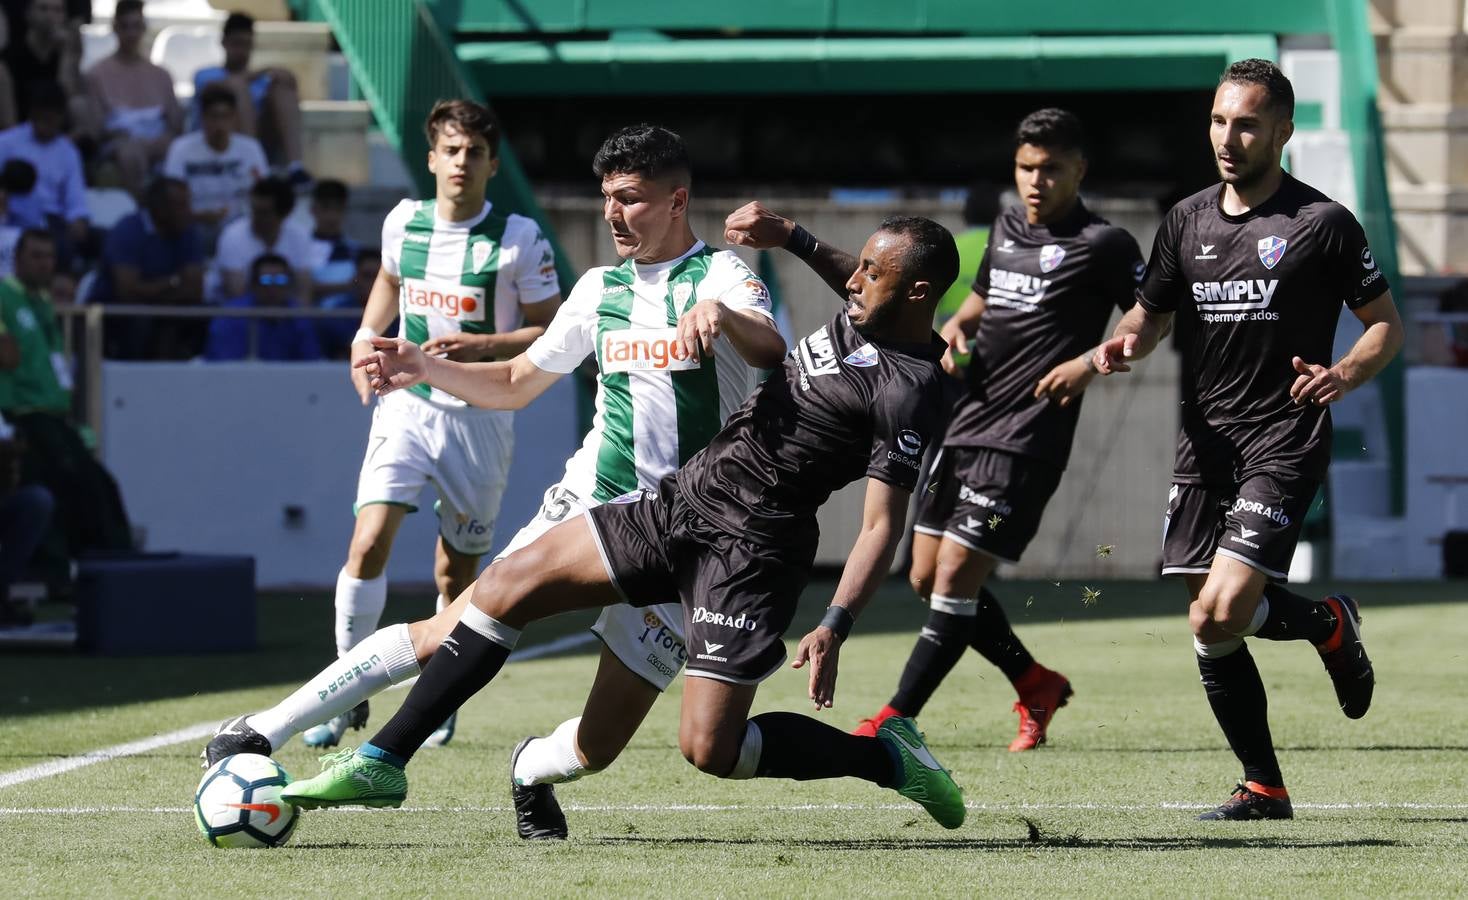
(35,396)
(269,100)
(271,286)
(154,257)
(220,165)
(59,201)
(8,115)
(46,48)
(63,288)
(265,230)
(333,252)
(336,334)
(25,515)
(133,105)
(17,179)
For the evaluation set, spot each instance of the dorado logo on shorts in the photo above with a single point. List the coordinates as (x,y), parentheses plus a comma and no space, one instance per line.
(644,350)
(460,302)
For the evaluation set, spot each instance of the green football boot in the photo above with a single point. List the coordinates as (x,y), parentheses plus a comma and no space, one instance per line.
(924,781)
(349,779)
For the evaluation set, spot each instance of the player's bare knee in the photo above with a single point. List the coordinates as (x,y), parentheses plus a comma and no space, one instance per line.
(708,754)
(922,583)
(1220,609)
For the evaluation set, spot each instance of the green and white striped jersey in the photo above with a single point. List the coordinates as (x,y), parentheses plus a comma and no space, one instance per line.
(463,276)
(655,407)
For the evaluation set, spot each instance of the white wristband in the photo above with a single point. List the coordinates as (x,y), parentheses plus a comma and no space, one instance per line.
(364,334)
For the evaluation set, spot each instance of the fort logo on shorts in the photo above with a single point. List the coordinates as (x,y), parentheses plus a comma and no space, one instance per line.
(460,302)
(645,350)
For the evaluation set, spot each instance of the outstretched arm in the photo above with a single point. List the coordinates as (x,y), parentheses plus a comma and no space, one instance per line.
(397,363)
(1136,335)
(884,513)
(753,225)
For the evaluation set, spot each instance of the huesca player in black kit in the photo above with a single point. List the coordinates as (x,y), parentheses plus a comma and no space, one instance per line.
(733,535)
(1253,273)
(1050,278)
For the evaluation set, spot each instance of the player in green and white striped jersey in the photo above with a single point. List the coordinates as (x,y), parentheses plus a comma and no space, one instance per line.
(464,280)
(678,330)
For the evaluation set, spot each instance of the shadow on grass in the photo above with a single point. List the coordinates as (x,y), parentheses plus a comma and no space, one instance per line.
(1042,842)
(295,637)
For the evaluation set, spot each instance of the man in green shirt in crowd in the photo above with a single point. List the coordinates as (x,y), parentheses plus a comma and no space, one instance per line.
(35,396)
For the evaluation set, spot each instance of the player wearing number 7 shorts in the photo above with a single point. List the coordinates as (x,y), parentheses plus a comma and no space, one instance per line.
(678,330)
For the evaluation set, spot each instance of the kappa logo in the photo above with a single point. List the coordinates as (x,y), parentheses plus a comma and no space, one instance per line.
(480,253)
(414,237)
(863,357)
(1206,252)
(1272,250)
(1051,255)
(613,290)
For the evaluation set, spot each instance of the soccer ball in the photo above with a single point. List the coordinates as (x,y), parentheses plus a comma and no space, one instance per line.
(238,803)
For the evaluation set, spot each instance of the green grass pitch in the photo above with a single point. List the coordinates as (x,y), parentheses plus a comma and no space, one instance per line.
(1107,808)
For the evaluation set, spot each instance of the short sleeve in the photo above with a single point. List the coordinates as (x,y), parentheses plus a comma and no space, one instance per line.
(571,335)
(1162,279)
(907,417)
(738,287)
(981,278)
(1348,260)
(535,265)
(1122,267)
(394,227)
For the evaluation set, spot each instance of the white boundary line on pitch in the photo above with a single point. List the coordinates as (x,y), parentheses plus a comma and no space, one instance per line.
(736,807)
(204,729)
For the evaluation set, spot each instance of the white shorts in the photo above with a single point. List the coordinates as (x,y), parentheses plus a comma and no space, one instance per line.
(465,452)
(648,641)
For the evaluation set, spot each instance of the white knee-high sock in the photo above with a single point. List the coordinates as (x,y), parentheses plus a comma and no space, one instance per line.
(551,759)
(442,603)
(383,658)
(359,605)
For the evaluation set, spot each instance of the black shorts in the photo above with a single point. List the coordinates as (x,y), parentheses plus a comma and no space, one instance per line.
(738,597)
(1256,522)
(986,500)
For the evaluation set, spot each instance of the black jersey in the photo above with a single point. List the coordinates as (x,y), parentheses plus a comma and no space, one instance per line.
(1251,292)
(841,407)
(1048,292)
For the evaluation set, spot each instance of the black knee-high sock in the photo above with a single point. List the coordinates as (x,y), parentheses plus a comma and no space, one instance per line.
(1296,618)
(1236,693)
(939,647)
(995,639)
(464,663)
(799,747)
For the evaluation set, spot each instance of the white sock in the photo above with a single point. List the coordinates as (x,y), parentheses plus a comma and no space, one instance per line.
(551,759)
(385,657)
(749,752)
(442,604)
(359,605)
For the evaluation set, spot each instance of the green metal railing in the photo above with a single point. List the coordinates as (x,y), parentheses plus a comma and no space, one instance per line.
(404,63)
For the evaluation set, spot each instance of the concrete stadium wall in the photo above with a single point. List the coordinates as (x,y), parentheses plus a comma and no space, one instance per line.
(1121,465)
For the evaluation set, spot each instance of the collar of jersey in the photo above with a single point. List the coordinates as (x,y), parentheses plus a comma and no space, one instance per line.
(653,272)
(440,223)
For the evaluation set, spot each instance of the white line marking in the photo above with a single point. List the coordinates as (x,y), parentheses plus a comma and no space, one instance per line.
(736,807)
(205,729)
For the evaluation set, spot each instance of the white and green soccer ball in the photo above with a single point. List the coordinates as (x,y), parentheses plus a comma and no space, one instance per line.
(238,803)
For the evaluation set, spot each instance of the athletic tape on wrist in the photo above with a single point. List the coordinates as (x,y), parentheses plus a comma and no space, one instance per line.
(839,620)
(364,334)
(801,242)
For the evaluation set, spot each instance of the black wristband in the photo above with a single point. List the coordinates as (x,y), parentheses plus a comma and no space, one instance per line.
(801,242)
(839,620)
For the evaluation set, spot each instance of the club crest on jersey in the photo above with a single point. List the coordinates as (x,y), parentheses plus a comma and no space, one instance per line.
(1051,256)
(479,253)
(863,357)
(681,292)
(1272,250)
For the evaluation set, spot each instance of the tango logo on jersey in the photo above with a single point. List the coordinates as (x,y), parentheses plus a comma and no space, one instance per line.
(645,350)
(1050,257)
(1016,290)
(1271,250)
(450,301)
(816,356)
(863,357)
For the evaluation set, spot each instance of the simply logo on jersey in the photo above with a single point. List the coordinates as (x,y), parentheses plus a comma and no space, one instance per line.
(479,254)
(1234,296)
(461,302)
(816,357)
(863,357)
(1272,250)
(740,622)
(1051,256)
(1205,251)
(645,350)
(1016,290)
